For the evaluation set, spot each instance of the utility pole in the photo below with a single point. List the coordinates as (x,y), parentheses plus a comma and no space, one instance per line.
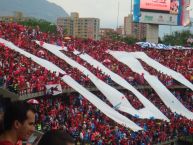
(118,16)
(131,9)
(117,20)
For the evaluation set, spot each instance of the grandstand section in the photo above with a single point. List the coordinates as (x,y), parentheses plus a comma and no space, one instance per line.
(112,92)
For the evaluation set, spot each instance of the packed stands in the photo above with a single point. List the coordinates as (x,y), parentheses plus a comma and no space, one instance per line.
(72,112)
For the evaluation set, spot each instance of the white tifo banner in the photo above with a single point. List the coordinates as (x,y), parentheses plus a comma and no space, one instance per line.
(53,89)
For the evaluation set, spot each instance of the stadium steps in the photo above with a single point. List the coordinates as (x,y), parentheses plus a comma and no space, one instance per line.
(26,96)
(7,94)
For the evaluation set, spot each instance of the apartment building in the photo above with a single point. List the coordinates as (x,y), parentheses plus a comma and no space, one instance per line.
(75,26)
(137,30)
(104,32)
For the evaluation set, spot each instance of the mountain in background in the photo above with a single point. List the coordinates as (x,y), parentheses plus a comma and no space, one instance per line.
(164,29)
(40,9)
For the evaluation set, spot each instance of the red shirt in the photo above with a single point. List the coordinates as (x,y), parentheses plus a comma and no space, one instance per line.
(5,143)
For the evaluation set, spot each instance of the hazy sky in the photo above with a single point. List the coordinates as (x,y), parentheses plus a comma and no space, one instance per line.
(105,10)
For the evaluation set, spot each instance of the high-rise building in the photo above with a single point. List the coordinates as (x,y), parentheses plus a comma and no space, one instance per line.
(80,27)
(137,30)
(105,32)
(120,30)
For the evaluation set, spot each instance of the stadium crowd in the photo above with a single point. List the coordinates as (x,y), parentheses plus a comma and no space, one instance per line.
(88,125)
(75,114)
(178,60)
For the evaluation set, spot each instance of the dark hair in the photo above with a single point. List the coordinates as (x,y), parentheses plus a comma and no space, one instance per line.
(15,111)
(3,103)
(56,137)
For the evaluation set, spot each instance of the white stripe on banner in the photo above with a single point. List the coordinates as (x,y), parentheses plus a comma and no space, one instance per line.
(112,94)
(161,68)
(166,96)
(102,106)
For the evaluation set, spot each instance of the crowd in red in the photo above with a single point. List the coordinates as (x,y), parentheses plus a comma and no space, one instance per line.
(179,60)
(86,123)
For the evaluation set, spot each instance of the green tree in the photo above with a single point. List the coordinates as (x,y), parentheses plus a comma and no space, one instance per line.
(130,40)
(177,38)
(117,37)
(44,26)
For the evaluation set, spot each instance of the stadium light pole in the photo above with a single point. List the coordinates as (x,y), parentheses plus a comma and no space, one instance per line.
(117,19)
(118,14)
(131,9)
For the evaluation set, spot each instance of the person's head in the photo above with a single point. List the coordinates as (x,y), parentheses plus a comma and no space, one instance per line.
(19,117)
(56,137)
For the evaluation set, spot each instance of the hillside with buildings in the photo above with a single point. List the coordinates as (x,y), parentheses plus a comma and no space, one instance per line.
(40,9)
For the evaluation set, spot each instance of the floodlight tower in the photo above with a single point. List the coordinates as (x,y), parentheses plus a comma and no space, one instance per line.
(131,9)
(118,14)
